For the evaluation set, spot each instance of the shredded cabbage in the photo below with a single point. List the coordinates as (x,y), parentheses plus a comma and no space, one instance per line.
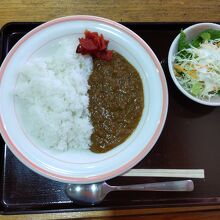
(198,69)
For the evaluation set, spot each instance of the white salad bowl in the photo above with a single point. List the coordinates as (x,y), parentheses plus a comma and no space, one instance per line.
(191,32)
(83,166)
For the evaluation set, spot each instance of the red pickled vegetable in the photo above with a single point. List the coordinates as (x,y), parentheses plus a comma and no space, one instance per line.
(94,45)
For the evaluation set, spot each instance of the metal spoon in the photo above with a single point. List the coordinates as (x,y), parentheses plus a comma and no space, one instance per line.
(95,193)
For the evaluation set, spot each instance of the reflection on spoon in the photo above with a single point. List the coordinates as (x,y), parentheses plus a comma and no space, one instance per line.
(95,193)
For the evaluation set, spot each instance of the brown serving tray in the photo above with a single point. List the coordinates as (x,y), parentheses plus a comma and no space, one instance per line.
(190,139)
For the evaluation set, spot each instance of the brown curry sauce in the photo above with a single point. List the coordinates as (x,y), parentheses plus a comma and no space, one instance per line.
(116,102)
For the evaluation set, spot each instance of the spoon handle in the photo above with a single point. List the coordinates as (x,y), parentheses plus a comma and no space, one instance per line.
(182,185)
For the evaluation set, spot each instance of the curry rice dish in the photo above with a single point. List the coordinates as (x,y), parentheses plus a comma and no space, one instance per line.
(71,101)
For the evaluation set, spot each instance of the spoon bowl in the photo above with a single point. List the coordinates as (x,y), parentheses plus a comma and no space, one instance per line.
(95,193)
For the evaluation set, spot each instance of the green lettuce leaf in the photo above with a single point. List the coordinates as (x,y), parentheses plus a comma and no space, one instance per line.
(204,36)
(183,44)
(197,89)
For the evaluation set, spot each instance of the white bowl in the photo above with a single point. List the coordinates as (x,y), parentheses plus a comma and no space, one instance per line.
(191,32)
(84,166)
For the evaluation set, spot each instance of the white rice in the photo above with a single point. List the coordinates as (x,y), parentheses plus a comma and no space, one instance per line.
(51,95)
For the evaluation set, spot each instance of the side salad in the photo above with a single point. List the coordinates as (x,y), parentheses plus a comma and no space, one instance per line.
(197,64)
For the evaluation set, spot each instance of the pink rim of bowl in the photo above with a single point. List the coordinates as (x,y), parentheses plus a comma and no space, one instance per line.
(138,157)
